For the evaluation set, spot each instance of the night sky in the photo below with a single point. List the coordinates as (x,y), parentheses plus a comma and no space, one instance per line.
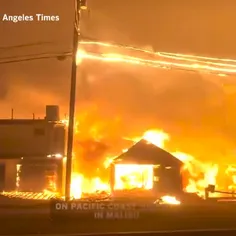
(198,27)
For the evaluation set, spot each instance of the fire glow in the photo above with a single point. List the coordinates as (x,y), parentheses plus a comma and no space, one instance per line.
(133,176)
(164,60)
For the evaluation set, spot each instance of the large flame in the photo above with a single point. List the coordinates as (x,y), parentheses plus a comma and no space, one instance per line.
(99,140)
(198,175)
(91,154)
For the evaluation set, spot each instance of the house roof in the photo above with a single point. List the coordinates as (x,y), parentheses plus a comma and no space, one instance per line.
(147,153)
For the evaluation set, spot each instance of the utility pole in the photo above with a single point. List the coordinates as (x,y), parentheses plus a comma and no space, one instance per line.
(79,4)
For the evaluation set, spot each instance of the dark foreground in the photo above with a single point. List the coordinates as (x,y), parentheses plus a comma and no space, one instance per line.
(37,220)
(35,225)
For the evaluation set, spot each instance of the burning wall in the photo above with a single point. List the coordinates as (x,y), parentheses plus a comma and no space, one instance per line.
(148,167)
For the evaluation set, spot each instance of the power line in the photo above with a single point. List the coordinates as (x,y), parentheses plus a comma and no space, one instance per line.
(36,55)
(24,45)
(59,56)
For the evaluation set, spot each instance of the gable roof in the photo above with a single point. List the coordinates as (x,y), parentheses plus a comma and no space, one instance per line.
(147,153)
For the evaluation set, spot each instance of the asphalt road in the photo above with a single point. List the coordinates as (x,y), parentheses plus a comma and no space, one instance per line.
(38,221)
(214,232)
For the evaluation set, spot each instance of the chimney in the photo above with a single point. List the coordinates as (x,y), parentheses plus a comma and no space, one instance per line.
(52,113)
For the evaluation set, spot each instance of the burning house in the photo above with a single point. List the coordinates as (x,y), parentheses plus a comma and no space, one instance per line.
(147,167)
(31,153)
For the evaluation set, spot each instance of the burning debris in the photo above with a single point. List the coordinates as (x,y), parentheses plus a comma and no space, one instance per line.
(167,200)
(30,195)
(144,169)
(93,157)
(196,175)
(81,186)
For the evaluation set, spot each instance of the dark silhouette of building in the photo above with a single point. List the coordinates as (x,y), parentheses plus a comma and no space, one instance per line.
(31,152)
(167,179)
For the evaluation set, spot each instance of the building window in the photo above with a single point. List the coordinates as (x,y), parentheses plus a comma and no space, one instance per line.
(39,132)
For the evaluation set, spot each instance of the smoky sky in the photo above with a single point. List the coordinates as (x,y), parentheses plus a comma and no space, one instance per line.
(163,98)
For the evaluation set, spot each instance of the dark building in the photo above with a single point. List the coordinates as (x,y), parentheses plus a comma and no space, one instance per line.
(165,168)
(31,152)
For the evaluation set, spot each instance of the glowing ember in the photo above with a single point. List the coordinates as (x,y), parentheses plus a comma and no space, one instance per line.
(108,161)
(76,186)
(156,137)
(170,200)
(81,185)
(133,176)
(46,195)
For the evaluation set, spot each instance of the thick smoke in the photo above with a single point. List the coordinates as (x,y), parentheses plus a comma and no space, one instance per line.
(195,109)
(3,88)
(118,100)
(29,87)
(190,106)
